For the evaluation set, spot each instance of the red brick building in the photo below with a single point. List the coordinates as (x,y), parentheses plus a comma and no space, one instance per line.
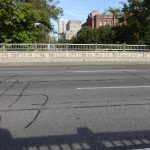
(96,19)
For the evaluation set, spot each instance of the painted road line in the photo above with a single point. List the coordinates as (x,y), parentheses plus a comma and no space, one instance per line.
(99,71)
(142,149)
(113,87)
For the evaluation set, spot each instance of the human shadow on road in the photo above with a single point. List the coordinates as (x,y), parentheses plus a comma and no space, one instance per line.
(85,139)
(7,142)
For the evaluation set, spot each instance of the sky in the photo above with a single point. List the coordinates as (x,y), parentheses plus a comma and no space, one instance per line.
(79,9)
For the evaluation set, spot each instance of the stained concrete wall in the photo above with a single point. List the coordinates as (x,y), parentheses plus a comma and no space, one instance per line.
(73,56)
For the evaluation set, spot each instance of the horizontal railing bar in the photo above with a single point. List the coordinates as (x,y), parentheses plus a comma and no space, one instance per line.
(75,47)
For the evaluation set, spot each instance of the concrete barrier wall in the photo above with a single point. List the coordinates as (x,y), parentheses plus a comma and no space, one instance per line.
(73,56)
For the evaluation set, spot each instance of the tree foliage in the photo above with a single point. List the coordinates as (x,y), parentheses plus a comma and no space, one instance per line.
(116,12)
(18,19)
(137,19)
(16,22)
(87,35)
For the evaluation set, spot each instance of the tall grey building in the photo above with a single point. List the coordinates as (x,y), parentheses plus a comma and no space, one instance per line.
(73,26)
(68,29)
(62,28)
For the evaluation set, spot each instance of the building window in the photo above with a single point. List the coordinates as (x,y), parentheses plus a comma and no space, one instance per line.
(100,23)
(105,22)
(110,23)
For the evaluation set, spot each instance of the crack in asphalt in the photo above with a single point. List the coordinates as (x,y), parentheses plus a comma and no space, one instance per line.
(20,96)
(22,91)
(57,81)
(30,123)
(135,75)
(100,106)
(14,76)
(41,106)
(13,84)
(23,109)
(43,103)
(39,111)
(94,106)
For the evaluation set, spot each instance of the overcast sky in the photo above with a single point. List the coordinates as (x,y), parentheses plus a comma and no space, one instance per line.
(79,9)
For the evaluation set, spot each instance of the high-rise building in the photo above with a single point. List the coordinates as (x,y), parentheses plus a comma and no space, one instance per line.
(62,28)
(96,19)
(73,26)
(68,29)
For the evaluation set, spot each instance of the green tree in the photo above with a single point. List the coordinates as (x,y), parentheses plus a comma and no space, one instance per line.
(86,35)
(137,18)
(19,19)
(124,34)
(134,19)
(145,22)
(105,35)
(43,11)
(16,22)
(116,12)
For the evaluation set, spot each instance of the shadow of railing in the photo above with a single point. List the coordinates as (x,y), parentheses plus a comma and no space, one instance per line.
(83,140)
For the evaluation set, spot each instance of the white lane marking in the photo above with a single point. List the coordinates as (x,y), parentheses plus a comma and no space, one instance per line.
(113,87)
(142,149)
(94,71)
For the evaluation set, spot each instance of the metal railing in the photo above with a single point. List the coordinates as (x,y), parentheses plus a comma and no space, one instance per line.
(73,47)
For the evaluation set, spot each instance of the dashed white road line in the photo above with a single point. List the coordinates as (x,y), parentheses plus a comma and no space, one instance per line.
(101,71)
(142,149)
(113,87)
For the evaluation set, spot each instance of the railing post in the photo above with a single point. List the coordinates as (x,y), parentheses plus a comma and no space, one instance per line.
(124,46)
(66,46)
(49,46)
(35,46)
(4,46)
(95,46)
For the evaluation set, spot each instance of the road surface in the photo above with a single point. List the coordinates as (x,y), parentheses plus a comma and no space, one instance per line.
(75,107)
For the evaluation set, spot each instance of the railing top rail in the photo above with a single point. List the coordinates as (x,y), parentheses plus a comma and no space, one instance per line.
(71,47)
(56,44)
(81,44)
(65,44)
(21,44)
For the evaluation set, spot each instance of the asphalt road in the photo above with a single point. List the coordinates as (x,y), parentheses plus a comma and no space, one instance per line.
(75,107)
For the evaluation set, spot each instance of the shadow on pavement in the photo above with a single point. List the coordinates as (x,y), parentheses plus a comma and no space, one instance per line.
(83,140)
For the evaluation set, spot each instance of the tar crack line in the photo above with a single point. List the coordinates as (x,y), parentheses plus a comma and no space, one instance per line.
(9,87)
(33,119)
(21,94)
